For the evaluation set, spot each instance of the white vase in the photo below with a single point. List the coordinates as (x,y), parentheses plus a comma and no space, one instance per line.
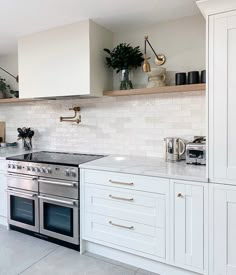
(156,77)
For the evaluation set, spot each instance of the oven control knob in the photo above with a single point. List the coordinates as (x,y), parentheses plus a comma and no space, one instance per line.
(67,173)
(18,167)
(48,170)
(42,170)
(13,166)
(32,169)
(28,168)
(36,169)
(72,173)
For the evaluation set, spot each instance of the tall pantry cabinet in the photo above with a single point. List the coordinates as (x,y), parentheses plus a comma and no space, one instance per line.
(221,29)
(222,141)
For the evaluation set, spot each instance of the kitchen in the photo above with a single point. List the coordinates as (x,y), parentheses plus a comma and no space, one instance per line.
(113,182)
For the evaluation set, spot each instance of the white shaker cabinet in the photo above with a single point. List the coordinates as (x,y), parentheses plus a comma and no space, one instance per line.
(223,230)
(3,194)
(64,61)
(188,224)
(222,97)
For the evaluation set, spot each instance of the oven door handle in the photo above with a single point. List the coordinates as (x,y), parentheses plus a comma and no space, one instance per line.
(13,192)
(21,177)
(73,184)
(71,203)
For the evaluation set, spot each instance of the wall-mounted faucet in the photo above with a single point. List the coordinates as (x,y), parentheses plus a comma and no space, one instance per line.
(74,118)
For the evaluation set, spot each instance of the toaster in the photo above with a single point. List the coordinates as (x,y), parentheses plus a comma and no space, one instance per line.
(196,153)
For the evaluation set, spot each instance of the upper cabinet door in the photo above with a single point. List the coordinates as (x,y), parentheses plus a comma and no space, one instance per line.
(64,61)
(222,97)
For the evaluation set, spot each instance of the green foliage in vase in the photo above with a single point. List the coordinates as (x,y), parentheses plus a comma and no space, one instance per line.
(124,56)
(6,89)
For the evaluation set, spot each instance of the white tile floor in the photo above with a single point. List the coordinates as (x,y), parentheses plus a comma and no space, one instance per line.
(22,254)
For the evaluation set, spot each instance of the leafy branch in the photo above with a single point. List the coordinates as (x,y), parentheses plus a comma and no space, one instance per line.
(124,56)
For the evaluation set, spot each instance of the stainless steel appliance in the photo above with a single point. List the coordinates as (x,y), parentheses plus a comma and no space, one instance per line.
(196,151)
(43,194)
(174,149)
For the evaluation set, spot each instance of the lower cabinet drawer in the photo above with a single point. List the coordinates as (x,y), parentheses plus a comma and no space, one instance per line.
(125,234)
(130,205)
(127,181)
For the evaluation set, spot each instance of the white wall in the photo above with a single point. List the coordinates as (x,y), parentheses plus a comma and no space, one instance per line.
(134,125)
(182,41)
(9,63)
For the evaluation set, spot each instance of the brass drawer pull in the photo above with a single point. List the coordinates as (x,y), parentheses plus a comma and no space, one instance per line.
(122,226)
(123,183)
(122,199)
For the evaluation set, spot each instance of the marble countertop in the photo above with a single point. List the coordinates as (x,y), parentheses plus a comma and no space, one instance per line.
(149,166)
(6,152)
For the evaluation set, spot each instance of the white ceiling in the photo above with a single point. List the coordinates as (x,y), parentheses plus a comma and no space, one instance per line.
(21,17)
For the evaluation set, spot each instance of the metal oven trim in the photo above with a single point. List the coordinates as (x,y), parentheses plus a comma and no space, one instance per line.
(71,203)
(23,194)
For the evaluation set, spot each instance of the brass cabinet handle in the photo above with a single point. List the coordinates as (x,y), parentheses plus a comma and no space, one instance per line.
(119,198)
(122,226)
(179,195)
(119,182)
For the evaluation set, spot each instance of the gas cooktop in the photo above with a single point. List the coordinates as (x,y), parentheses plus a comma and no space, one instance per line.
(58,158)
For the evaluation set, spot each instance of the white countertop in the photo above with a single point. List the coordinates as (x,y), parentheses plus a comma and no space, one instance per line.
(6,152)
(149,166)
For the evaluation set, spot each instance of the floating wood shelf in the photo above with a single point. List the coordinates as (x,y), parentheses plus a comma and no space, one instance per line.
(17,100)
(158,90)
(145,91)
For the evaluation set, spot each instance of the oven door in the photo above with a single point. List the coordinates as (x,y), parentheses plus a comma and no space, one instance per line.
(23,209)
(59,218)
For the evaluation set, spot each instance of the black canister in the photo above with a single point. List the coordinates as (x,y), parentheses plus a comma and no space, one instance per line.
(180,78)
(203,76)
(193,77)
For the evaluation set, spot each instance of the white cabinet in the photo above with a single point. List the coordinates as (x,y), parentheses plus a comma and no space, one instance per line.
(130,220)
(188,224)
(64,61)
(3,194)
(223,230)
(222,97)
(118,212)
(156,218)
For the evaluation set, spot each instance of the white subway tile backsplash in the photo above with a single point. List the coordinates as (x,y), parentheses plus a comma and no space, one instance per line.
(133,125)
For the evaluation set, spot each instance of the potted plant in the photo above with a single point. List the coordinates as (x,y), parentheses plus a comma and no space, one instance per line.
(124,58)
(5,89)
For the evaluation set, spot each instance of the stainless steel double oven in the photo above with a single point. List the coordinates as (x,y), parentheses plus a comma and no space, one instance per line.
(43,195)
(44,199)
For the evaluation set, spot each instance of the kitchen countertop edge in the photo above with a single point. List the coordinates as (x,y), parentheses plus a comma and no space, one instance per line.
(148,166)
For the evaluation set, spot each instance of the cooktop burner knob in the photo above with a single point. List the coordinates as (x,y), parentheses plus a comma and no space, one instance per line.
(36,169)
(28,168)
(67,173)
(72,173)
(13,166)
(18,167)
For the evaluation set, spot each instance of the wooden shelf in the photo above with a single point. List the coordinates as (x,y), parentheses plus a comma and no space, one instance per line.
(145,91)
(158,90)
(17,100)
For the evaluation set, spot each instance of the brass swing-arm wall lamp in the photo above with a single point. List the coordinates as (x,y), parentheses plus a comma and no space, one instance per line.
(16,77)
(160,59)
